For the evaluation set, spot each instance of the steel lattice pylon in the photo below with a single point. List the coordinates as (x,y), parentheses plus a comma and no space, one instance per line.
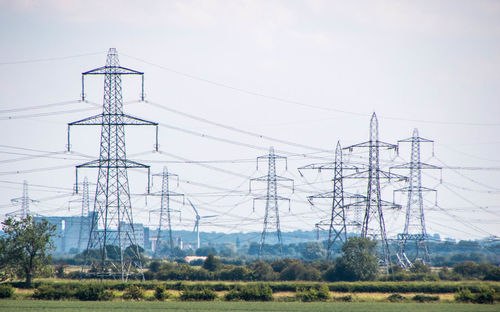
(336,224)
(85,214)
(165,212)
(24,201)
(112,229)
(414,230)
(373,201)
(271,216)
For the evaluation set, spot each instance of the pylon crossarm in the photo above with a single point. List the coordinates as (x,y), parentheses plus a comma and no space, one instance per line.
(415,139)
(371,144)
(112,70)
(96,120)
(415,189)
(382,175)
(170,193)
(419,165)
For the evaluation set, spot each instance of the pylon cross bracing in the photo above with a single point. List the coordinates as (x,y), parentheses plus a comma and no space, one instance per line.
(112,229)
(165,211)
(414,229)
(373,202)
(271,214)
(337,222)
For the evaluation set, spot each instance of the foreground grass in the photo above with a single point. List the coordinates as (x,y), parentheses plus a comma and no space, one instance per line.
(115,306)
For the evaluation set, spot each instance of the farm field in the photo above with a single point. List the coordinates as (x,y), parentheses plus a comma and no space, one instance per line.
(144,306)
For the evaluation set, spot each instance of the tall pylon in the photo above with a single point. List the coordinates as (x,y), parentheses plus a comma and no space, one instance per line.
(337,222)
(373,201)
(165,211)
(271,216)
(414,230)
(23,201)
(112,221)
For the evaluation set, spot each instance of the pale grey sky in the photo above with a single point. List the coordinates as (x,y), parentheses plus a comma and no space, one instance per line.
(431,65)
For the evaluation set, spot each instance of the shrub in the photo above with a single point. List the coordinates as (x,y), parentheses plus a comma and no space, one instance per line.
(493,274)
(93,292)
(53,292)
(133,292)
(250,293)
(485,295)
(60,271)
(464,295)
(6,291)
(346,298)
(425,298)
(396,298)
(313,294)
(198,295)
(160,293)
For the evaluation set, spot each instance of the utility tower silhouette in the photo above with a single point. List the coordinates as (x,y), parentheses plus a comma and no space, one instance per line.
(85,215)
(337,223)
(414,230)
(24,201)
(84,220)
(165,211)
(374,202)
(112,220)
(271,216)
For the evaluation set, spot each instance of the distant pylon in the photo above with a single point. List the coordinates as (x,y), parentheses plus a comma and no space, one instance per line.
(165,211)
(414,230)
(112,221)
(85,214)
(24,201)
(374,202)
(337,223)
(271,216)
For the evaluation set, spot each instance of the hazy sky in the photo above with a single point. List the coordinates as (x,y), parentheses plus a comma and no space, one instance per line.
(307,72)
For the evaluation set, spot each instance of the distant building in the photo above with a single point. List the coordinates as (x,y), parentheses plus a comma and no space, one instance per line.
(72,233)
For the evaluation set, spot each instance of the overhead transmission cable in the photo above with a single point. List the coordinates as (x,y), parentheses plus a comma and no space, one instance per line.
(283,100)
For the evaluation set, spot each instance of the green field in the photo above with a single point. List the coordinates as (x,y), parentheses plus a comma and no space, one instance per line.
(115,306)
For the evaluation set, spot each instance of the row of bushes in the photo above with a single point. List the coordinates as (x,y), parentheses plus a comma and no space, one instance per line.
(353,287)
(84,292)
(260,292)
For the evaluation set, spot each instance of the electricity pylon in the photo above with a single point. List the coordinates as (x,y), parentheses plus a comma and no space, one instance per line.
(373,201)
(24,201)
(85,214)
(414,230)
(165,211)
(271,216)
(337,223)
(112,221)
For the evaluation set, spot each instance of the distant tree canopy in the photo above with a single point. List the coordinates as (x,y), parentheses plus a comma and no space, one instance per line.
(26,245)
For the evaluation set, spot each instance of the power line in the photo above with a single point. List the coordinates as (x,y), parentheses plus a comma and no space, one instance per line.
(279,99)
(261,136)
(49,59)
(15,110)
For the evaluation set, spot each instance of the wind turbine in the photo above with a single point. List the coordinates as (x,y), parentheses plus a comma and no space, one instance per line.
(197,223)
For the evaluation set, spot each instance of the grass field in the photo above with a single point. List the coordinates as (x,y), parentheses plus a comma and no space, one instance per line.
(116,306)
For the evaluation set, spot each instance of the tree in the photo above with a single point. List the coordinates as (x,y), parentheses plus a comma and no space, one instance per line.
(263,271)
(358,261)
(211,263)
(27,244)
(205,251)
(313,251)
